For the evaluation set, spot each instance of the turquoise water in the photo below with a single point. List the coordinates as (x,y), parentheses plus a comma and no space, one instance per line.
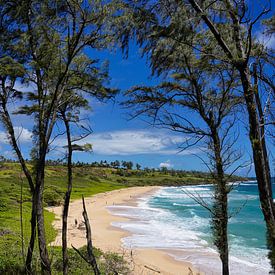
(245,227)
(170,219)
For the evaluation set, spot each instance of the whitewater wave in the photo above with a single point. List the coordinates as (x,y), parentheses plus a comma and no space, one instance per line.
(158,222)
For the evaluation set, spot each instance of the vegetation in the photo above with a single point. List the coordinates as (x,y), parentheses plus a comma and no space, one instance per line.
(72,27)
(219,35)
(215,106)
(202,50)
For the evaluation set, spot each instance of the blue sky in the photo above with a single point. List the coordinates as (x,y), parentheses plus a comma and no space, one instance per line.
(116,137)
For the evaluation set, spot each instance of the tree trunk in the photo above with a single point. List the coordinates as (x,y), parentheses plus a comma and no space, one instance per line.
(21,221)
(33,236)
(262,123)
(44,257)
(224,228)
(91,256)
(261,164)
(67,198)
(9,126)
(220,211)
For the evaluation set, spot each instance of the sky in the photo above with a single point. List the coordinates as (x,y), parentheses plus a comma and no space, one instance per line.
(117,137)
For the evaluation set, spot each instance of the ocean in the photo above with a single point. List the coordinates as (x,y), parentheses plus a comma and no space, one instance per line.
(170,219)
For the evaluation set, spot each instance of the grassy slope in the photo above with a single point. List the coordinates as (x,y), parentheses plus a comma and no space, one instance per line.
(87,181)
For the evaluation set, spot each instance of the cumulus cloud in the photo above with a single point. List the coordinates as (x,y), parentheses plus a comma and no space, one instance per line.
(22,134)
(166,164)
(123,142)
(134,142)
(267,40)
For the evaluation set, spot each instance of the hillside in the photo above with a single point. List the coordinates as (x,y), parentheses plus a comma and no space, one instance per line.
(91,180)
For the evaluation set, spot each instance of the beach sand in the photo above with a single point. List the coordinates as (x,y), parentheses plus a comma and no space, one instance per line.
(108,238)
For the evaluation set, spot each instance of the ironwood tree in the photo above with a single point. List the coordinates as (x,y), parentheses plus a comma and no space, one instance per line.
(205,113)
(225,32)
(43,47)
(89,82)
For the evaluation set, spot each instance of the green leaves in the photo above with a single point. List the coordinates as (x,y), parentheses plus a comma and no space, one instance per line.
(9,67)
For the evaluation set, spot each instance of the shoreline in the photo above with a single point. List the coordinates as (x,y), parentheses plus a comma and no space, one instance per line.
(108,237)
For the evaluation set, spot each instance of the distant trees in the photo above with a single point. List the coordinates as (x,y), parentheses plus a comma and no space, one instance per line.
(127,164)
(164,170)
(115,164)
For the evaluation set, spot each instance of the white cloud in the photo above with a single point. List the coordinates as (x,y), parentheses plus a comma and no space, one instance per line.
(124,142)
(23,134)
(166,164)
(134,142)
(267,40)
(9,154)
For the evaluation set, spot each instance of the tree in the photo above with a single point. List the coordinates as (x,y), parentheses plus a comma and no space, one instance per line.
(116,164)
(130,165)
(138,166)
(127,164)
(222,31)
(90,81)
(239,52)
(48,38)
(215,105)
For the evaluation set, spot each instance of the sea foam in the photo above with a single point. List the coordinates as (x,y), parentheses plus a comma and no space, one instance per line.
(171,220)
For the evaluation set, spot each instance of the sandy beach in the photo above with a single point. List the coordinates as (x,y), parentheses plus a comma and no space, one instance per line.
(108,238)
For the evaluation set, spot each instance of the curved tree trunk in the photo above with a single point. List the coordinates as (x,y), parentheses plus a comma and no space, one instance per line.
(9,126)
(261,164)
(91,256)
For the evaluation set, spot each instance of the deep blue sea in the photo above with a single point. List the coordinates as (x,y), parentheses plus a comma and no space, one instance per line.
(171,219)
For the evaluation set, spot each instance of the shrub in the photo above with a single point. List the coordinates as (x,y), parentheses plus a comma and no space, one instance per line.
(53,197)
(3,204)
(112,263)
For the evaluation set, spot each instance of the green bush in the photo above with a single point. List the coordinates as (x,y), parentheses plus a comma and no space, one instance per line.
(112,263)
(122,180)
(108,263)
(53,197)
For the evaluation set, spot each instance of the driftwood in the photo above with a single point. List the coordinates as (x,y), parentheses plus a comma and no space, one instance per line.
(91,258)
(157,271)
